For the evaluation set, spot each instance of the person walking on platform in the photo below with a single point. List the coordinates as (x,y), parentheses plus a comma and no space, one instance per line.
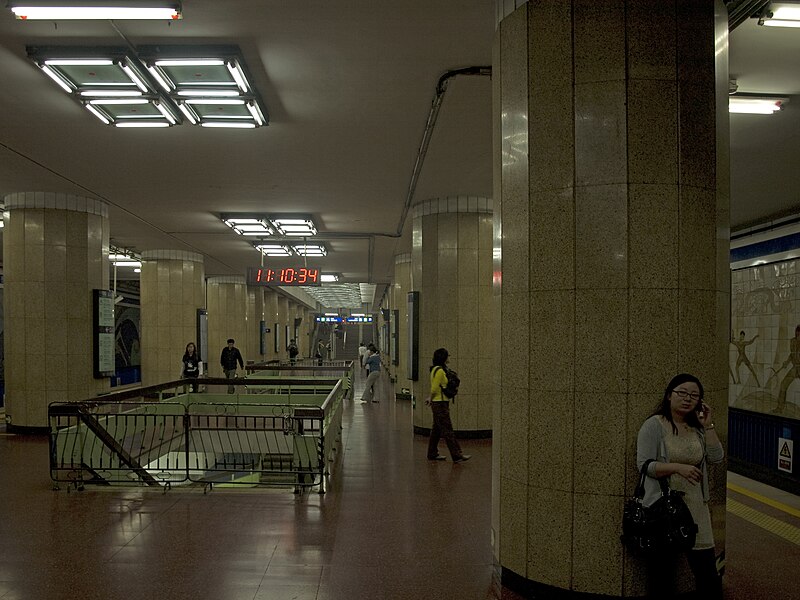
(293,351)
(680,440)
(362,353)
(191,365)
(229,358)
(440,405)
(373,366)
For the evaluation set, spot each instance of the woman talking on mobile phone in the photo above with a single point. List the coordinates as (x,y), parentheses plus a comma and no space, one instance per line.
(681,440)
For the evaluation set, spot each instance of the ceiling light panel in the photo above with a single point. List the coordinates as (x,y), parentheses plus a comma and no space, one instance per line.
(274,250)
(336,295)
(781,14)
(109,83)
(30,10)
(196,76)
(301,226)
(248,226)
(310,250)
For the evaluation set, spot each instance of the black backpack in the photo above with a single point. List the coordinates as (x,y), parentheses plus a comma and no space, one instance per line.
(451,389)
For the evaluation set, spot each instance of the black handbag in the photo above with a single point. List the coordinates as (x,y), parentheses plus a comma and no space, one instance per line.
(665,527)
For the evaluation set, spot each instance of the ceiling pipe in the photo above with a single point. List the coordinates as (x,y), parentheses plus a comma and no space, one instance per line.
(741,10)
(441,88)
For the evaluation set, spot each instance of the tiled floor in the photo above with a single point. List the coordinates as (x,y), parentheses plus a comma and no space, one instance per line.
(392,526)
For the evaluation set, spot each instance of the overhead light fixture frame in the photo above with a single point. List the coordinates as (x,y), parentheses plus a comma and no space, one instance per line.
(780,14)
(53,10)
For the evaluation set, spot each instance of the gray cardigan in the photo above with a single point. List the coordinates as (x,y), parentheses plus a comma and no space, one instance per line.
(650,444)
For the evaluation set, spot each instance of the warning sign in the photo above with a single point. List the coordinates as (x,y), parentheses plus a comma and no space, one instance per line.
(785,452)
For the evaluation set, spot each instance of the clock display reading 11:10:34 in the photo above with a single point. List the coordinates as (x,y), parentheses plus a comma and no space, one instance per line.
(283,276)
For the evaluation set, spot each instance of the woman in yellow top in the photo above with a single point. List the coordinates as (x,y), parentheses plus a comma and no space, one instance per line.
(440,405)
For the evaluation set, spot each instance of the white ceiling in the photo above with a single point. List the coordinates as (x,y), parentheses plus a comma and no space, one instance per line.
(348,86)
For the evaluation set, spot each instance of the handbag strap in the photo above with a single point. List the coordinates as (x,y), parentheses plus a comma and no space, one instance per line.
(662,481)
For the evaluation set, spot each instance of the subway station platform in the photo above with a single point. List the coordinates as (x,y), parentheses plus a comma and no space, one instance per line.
(392,525)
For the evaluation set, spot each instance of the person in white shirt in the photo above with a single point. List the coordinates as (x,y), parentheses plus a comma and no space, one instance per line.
(362,353)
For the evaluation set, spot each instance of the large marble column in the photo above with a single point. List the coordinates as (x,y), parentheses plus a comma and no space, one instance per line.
(55,252)
(284,330)
(227,317)
(611,274)
(451,266)
(172,289)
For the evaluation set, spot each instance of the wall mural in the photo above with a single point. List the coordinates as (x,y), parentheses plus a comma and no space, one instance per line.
(764,358)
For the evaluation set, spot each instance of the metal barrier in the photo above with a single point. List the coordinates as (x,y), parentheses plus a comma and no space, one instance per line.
(754,449)
(190,439)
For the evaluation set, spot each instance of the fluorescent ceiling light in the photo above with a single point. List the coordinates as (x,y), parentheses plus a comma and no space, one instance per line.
(141,124)
(755,105)
(97,114)
(188,114)
(79,62)
(127,263)
(112,101)
(55,77)
(232,124)
(105,93)
(93,9)
(210,93)
(191,62)
(231,101)
(137,270)
(134,77)
(159,79)
(781,14)
(329,277)
(238,76)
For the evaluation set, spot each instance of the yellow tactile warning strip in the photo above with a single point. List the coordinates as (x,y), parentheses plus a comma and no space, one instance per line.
(759,519)
(764,500)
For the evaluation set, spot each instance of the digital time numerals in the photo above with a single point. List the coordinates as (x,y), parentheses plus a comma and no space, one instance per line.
(287,276)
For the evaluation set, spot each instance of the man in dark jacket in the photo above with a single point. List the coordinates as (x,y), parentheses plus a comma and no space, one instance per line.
(230,356)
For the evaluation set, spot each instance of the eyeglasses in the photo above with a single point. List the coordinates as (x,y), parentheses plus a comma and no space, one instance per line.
(684,395)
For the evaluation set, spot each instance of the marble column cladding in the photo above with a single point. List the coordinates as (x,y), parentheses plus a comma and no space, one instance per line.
(55,253)
(227,317)
(172,289)
(452,253)
(283,331)
(611,225)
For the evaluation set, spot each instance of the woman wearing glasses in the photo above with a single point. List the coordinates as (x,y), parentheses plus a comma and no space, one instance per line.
(681,439)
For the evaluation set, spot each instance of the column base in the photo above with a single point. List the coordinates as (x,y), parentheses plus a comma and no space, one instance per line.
(27,430)
(541,591)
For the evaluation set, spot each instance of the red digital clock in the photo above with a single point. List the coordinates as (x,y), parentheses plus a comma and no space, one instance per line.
(283,276)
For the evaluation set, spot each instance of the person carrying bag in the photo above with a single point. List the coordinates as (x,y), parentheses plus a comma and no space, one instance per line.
(669,513)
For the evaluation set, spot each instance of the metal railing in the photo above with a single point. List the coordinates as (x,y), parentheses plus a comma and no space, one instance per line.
(141,438)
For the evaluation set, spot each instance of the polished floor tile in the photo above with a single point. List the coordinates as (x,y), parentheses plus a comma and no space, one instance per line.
(391,526)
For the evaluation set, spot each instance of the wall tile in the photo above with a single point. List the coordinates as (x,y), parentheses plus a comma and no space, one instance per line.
(597,552)
(513,525)
(515,426)
(653,329)
(650,30)
(552,240)
(653,236)
(601,236)
(599,458)
(600,133)
(550,440)
(697,239)
(652,132)
(601,339)
(549,543)
(599,31)
(552,340)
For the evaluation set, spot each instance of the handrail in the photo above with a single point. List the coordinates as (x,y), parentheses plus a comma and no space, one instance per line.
(223,440)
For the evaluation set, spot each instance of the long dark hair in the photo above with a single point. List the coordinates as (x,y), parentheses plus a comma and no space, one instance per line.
(664,407)
(193,354)
(440,356)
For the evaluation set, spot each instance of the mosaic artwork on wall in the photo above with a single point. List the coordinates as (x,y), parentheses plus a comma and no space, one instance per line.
(764,358)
